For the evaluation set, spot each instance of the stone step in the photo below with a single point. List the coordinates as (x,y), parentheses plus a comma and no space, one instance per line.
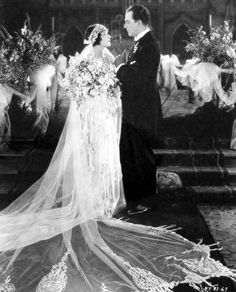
(201,175)
(196,143)
(204,172)
(222,194)
(206,194)
(40,160)
(21,141)
(7,185)
(12,166)
(40,154)
(20,167)
(191,157)
(229,158)
(22,155)
(199,167)
(21,188)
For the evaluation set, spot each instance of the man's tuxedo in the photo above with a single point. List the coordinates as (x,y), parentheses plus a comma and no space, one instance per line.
(142,115)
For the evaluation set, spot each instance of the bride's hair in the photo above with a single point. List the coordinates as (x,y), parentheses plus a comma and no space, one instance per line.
(88,32)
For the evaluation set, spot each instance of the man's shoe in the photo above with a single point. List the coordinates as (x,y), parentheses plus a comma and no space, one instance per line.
(122,217)
(138,210)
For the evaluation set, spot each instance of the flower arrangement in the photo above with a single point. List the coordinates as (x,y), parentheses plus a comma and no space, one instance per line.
(22,53)
(217,46)
(90,78)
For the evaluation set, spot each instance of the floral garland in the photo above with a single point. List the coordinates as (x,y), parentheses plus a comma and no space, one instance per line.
(22,53)
(217,47)
(90,78)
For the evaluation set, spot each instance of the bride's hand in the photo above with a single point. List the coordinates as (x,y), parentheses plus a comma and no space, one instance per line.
(120,59)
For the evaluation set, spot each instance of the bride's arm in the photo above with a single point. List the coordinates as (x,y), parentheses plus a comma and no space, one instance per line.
(109,56)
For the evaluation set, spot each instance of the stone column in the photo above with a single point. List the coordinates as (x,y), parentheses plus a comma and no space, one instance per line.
(2,20)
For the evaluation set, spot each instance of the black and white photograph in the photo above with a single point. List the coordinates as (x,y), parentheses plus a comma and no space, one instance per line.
(117,145)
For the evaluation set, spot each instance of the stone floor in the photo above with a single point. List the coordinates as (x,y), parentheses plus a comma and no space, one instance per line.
(176,103)
(221,221)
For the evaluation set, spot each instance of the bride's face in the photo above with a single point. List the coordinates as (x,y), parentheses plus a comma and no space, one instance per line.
(105,40)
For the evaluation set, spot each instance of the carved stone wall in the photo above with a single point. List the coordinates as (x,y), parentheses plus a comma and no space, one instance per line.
(69,18)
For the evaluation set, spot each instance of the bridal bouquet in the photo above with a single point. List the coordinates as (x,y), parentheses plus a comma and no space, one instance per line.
(22,53)
(216,47)
(90,78)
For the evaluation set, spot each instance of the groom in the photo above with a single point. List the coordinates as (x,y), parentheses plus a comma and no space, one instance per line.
(142,113)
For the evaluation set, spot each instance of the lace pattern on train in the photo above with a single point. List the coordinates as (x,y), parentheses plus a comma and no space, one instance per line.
(147,281)
(197,270)
(7,286)
(56,279)
(144,279)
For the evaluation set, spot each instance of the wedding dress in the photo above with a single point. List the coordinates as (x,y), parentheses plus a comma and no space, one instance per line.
(60,234)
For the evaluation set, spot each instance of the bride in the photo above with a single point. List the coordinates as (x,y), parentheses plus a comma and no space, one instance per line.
(60,235)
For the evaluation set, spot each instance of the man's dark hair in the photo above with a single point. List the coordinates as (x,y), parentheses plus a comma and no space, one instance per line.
(140,12)
(88,32)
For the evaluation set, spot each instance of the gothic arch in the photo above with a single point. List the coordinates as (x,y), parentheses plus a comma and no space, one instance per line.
(178,42)
(173,25)
(72,40)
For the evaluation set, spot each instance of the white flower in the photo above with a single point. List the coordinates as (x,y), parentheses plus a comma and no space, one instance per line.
(87,78)
(214,36)
(65,83)
(101,80)
(93,92)
(91,67)
(206,42)
(231,53)
(24,30)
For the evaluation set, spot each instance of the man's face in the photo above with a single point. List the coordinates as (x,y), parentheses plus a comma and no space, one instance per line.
(130,24)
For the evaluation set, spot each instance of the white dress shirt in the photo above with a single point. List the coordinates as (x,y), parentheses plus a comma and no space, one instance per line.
(141,34)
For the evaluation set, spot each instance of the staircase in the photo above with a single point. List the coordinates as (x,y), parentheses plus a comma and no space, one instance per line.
(207,170)
(22,163)
(20,166)
(208,174)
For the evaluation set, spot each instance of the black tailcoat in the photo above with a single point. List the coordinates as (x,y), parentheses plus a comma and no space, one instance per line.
(142,115)
(140,95)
